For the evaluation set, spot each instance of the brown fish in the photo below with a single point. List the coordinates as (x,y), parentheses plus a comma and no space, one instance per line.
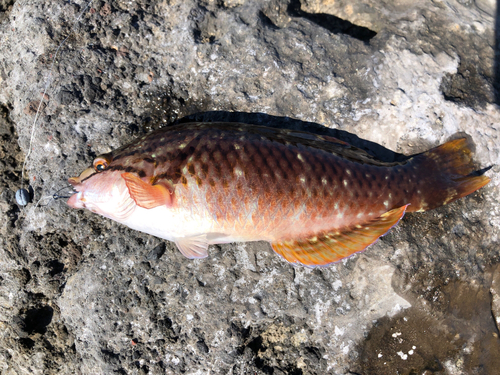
(316,199)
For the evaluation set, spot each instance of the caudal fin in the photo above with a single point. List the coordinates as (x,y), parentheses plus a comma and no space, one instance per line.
(447,174)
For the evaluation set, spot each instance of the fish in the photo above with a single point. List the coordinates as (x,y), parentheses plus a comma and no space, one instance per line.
(314,198)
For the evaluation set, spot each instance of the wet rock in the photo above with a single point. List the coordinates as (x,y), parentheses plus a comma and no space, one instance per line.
(459,336)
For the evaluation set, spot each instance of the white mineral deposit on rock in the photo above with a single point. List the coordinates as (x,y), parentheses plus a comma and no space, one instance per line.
(403,356)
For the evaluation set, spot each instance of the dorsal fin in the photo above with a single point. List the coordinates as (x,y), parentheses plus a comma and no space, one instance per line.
(330,247)
(190,134)
(194,246)
(146,195)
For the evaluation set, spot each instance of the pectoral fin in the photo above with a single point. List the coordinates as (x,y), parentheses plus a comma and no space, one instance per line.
(193,246)
(330,247)
(146,195)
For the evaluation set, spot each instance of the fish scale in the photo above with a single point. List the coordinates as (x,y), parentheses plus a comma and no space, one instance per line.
(314,198)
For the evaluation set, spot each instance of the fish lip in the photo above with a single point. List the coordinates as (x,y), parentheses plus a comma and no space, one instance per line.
(72,201)
(74,181)
(76,201)
(76,184)
(82,177)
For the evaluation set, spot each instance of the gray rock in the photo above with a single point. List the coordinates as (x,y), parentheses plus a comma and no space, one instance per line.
(495,296)
(81,294)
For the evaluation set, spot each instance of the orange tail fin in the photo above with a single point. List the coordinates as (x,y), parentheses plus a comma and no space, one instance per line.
(447,173)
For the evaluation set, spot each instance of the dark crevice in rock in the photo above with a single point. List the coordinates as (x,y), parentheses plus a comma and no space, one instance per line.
(267,21)
(202,346)
(55,267)
(5,8)
(334,24)
(6,5)
(292,370)
(27,343)
(169,332)
(254,348)
(156,253)
(36,320)
(467,87)
(111,356)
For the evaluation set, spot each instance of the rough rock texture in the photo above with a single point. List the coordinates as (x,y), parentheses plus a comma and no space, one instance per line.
(81,294)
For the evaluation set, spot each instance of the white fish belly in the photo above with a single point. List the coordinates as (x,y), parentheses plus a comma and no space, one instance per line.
(167,223)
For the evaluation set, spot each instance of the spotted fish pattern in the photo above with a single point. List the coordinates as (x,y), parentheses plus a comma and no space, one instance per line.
(315,198)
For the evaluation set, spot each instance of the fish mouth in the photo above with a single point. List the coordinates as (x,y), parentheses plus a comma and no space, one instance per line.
(76,200)
(76,185)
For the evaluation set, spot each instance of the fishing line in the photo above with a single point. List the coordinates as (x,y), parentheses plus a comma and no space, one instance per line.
(55,196)
(23,195)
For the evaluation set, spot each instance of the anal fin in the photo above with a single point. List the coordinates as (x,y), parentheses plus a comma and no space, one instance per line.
(330,247)
(193,246)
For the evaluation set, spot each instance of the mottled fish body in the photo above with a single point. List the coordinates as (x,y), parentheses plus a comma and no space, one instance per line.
(314,198)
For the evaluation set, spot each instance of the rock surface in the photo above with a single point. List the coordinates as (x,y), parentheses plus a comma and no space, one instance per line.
(81,294)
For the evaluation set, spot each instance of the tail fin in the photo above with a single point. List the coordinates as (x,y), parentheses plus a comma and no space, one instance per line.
(446,173)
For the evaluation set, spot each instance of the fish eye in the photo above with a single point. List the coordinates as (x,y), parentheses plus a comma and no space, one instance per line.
(100,164)
(99,167)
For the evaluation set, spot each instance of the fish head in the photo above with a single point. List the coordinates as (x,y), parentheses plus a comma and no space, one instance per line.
(102,191)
